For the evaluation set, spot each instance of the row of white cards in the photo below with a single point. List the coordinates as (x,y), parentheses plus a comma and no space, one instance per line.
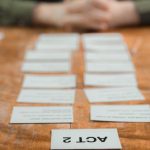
(67,96)
(51,114)
(56,88)
(90,79)
(69,81)
(108,64)
(52,54)
(108,53)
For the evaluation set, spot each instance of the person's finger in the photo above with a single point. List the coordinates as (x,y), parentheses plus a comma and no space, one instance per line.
(104,26)
(76,6)
(100,4)
(99,16)
(96,26)
(98,19)
(86,21)
(93,24)
(75,20)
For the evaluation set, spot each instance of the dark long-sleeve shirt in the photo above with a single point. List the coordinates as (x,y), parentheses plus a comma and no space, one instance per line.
(18,11)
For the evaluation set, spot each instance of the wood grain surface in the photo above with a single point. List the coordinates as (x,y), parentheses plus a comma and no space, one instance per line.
(133,136)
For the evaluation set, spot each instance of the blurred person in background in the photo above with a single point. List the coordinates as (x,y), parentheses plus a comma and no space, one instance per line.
(75,14)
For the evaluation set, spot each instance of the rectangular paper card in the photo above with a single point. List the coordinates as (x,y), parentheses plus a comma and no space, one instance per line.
(113,94)
(110,80)
(113,35)
(85,139)
(105,44)
(105,52)
(59,37)
(66,96)
(44,114)
(42,56)
(107,57)
(58,41)
(61,41)
(51,51)
(108,67)
(46,81)
(56,46)
(104,47)
(121,113)
(55,49)
(97,39)
(46,67)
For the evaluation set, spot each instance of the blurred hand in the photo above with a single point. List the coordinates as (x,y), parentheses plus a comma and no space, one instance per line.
(103,14)
(79,14)
(87,14)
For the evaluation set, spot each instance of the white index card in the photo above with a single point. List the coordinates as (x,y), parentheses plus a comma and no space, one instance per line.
(113,94)
(53,49)
(107,57)
(72,139)
(42,56)
(121,113)
(66,96)
(49,114)
(111,52)
(46,81)
(117,47)
(103,36)
(56,46)
(59,37)
(58,41)
(110,80)
(46,67)
(108,67)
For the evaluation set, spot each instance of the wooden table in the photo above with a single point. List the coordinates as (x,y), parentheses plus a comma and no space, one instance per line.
(134,136)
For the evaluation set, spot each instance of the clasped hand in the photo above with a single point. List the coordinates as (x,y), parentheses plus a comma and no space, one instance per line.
(87,14)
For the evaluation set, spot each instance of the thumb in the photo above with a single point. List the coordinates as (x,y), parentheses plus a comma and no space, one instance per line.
(101,4)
